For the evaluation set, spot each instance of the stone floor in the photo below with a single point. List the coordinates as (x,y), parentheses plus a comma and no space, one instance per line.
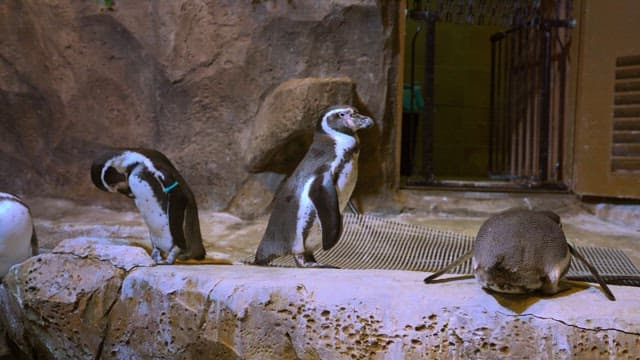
(230,237)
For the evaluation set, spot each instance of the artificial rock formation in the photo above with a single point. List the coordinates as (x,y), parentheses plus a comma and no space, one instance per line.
(98,299)
(185,77)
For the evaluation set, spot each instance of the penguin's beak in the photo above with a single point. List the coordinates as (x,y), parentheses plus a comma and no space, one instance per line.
(357,122)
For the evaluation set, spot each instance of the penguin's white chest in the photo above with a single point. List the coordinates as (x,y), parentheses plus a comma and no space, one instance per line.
(152,212)
(345,166)
(347,181)
(306,214)
(16,228)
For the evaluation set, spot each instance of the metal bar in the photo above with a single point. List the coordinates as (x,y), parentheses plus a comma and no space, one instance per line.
(562,86)
(507,106)
(496,150)
(513,94)
(505,110)
(521,102)
(512,108)
(534,87)
(528,158)
(412,119)
(492,109)
(427,93)
(500,110)
(553,107)
(545,103)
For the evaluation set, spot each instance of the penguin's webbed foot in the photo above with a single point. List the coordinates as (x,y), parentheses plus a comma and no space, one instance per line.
(186,255)
(156,256)
(309,261)
(173,253)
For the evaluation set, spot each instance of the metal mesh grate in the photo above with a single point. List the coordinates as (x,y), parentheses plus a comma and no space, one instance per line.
(373,243)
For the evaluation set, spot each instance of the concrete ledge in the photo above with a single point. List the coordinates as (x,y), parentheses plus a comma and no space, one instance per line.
(70,304)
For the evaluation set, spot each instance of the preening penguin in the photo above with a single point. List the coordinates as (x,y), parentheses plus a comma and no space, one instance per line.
(18,238)
(520,251)
(317,191)
(162,196)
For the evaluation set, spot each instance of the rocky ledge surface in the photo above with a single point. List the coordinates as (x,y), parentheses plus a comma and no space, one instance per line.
(92,298)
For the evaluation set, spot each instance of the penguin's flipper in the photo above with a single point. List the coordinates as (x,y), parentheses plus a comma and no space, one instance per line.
(193,237)
(449,267)
(175,208)
(325,199)
(594,272)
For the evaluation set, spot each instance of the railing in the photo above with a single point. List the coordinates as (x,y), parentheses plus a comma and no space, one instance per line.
(528,82)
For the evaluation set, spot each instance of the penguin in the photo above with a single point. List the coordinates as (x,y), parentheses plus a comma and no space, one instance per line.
(313,198)
(18,240)
(520,251)
(162,196)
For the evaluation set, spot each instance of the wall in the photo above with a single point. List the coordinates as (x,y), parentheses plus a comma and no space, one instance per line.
(185,77)
(605,33)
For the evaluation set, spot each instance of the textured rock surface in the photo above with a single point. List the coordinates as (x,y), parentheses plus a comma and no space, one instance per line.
(186,77)
(75,303)
(255,195)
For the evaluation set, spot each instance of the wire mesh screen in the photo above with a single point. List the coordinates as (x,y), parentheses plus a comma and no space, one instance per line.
(369,242)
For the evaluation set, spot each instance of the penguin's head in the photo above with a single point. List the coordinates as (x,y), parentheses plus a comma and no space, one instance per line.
(345,119)
(107,178)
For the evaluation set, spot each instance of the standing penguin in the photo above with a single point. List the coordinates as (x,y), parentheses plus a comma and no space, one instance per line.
(18,238)
(317,191)
(162,196)
(520,251)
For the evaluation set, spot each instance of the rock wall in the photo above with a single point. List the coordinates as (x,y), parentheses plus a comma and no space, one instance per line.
(92,299)
(185,77)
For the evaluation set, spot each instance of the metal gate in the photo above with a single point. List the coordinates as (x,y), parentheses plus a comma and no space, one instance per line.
(528,85)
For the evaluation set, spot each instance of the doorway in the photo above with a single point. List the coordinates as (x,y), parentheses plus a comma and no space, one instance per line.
(483,94)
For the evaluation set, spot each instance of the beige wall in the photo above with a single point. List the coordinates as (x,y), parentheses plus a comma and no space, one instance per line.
(607,30)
